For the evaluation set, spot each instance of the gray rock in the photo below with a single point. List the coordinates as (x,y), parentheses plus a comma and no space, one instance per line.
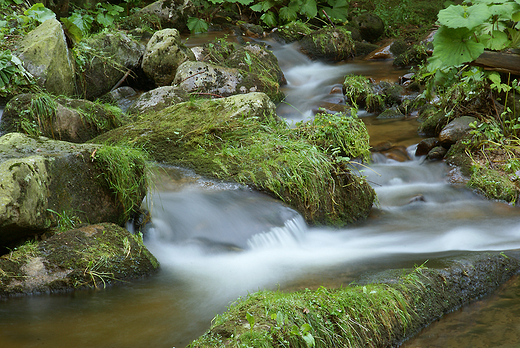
(45,55)
(456,130)
(164,54)
(158,99)
(208,79)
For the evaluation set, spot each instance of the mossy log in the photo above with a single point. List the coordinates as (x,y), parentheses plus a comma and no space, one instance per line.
(381,311)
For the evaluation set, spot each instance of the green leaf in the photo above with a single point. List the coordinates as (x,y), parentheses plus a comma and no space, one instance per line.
(464,17)
(242,2)
(504,11)
(104,20)
(516,16)
(250,320)
(269,18)
(197,25)
(288,14)
(74,32)
(454,47)
(309,339)
(39,13)
(309,8)
(83,22)
(497,41)
(515,37)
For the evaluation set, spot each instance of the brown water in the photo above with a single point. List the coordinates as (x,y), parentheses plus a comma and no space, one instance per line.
(198,226)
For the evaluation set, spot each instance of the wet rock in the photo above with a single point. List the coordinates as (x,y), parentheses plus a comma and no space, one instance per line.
(397,153)
(425,146)
(39,176)
(45,55)
(456,130)
(74,120)
(418,198)
(122,96)
(365,48)
(164,54)
(158,99)
(329,44)
(90,256)
(381,53)
(371,27)
(115,54)
(437,153)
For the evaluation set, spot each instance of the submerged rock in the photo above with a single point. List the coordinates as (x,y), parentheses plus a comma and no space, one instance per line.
(90,256)
(42,180)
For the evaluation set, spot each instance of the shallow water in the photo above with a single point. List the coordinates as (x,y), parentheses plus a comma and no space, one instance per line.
(217,242)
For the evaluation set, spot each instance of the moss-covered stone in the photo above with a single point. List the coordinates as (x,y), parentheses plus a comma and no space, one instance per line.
(74,120)
(292,31)
(493,184)
(329,44)
(91,256)
(42,179)
(241,139)
(389,307)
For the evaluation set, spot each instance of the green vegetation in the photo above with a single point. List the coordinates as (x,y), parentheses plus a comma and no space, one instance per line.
(66,220)
(359,92)
(127,172)
(466,30)
(359,316)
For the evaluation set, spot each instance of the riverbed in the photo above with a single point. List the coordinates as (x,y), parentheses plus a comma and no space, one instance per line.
(219,241)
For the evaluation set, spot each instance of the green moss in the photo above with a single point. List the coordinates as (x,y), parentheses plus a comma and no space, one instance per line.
(493,184)
(293,31)
(338,135)
(258,149)
(126,171)
(359,92)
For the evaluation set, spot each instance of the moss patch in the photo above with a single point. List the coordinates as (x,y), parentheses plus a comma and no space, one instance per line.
(382,312)
(230,140)
(91,256)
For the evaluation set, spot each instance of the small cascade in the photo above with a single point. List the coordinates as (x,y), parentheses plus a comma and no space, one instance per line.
(289,235)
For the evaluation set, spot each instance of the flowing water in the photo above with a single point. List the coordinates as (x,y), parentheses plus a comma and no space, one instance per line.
(217,242)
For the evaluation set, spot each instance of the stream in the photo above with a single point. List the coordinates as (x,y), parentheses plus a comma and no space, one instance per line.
(218,241)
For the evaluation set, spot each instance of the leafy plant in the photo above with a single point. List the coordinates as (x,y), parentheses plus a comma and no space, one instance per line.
(7,69)
(67,220)
(467,30)
(39,13)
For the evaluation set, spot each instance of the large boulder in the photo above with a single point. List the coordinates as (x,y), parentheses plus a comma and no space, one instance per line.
(41,179)
(241,139)
(456,129)
(208,79)
(74,120)
(45,55)
(90,256)
(329,44)
(370,26)
(164,53)
(108,56)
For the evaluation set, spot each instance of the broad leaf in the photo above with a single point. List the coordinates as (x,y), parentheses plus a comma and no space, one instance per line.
(104,20)
(496,41)
(515,37)
(463,16)
(339,10)
(269,18)
(309,8)
(288,14)
(241,2)
(39,13)
(504,11)
(454,47)
(197,25)
(74,32)
(516,16)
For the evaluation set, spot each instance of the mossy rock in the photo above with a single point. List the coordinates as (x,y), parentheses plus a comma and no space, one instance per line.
(292,31)
(240,139)
(493,185)
(41,179)
(390,306)
(432,121)
(90,256)
(415,55)
(329,43)
(73,120)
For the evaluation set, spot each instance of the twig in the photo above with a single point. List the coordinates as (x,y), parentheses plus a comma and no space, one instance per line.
(326,15)
(122,80)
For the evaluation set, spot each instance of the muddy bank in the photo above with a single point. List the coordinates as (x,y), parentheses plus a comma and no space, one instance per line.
(380,310)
